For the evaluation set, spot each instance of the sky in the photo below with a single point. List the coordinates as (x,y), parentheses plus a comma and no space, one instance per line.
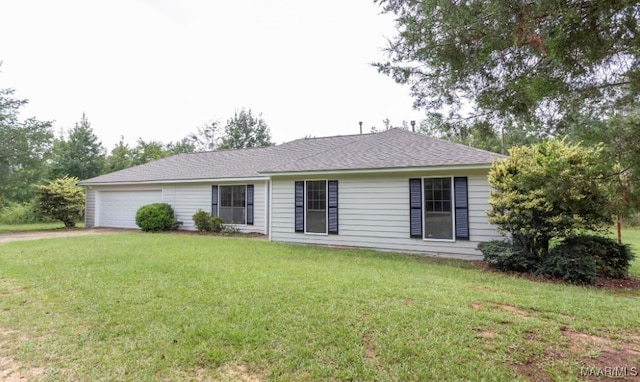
(159,69)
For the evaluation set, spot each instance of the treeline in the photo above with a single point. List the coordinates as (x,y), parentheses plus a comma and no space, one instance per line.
(31,153)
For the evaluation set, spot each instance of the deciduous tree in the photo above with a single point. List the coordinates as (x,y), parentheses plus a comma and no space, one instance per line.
(207,137)
(24,145)
(121,157)
(145,152)
(543,65)
(245,130)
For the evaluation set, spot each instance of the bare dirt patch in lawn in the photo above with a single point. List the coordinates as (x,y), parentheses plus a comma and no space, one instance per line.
(485,333)
(602,353)
(10,369)
(599,358)
(369,351)
(531,370)
(239,373)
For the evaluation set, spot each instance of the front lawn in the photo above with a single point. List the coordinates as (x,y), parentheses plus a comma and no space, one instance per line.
(8,228)
(141,307)
(632,236)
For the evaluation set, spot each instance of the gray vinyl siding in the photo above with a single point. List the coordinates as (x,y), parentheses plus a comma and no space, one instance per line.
(89,208)
(374,212)
(186,199)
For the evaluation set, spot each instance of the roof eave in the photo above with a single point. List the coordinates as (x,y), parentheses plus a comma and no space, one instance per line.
(174,181)
(477,166)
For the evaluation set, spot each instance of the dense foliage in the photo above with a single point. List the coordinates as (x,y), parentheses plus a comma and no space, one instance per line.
(22,213)
(549,190)
(557,191)
(569,263)
(61,199)
(577,259)
(504,256)
(612,259)
(24,148)
(156,217)
(540,66)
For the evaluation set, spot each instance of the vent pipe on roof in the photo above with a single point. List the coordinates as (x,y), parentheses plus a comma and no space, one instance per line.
(360,123)
(413,126)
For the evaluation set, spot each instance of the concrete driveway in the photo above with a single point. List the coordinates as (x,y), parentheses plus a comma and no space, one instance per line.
(37,235)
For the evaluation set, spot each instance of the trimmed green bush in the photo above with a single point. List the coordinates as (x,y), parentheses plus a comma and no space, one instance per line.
(569,262)
(204,222)
(156,217)
(504,256)
(216,224)
(612,259)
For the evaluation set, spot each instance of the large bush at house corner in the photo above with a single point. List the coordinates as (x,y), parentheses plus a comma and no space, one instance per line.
(554,191)
(61,199)
(156,217)
(549,190)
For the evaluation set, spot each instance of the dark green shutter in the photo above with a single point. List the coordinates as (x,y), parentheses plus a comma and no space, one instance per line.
(415,208)
(214,200)
(299,206)
(333,207)
(249,204)
(460,188)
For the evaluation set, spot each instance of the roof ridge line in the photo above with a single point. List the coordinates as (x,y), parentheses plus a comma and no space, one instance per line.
(331,148)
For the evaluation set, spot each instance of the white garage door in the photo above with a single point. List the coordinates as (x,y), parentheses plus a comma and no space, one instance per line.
(118,208)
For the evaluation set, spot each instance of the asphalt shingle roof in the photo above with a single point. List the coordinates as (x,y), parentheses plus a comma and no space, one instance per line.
(394,148)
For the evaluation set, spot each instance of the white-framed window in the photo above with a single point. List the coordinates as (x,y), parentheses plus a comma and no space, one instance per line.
(233,203)
(439,208)
(316,206)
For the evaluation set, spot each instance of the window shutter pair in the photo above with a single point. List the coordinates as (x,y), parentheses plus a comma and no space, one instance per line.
(332,204)
(460,192)
(249,205)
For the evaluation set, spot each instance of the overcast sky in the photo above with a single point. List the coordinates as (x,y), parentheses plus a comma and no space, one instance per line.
(158,69)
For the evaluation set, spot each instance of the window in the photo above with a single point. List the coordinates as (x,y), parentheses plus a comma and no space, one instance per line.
(438,208)
(234,204)
(438,215)
(316,206)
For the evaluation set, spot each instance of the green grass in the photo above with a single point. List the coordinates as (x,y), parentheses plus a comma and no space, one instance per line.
(8,228)
(142,307)
(632,236)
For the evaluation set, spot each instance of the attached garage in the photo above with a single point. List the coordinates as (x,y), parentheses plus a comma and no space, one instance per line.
(118,208)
